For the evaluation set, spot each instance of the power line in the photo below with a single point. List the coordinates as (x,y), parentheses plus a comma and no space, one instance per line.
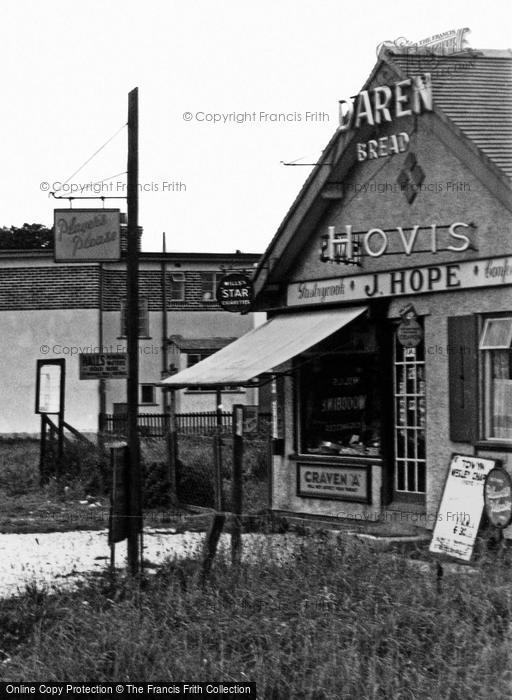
(95,154)
(111,177)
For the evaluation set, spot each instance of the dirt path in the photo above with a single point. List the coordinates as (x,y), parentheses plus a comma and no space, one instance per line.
(58,559)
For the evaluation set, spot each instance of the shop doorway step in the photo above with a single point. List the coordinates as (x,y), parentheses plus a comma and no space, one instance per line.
(375,534)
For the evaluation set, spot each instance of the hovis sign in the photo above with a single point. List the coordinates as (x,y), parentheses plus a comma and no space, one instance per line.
(447,277)
(86,235)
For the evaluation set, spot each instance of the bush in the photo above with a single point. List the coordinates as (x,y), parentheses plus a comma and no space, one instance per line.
(157,487)
(19,466)
(194,484)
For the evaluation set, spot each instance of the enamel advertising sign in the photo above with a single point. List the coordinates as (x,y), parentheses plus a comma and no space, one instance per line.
(86,235)
(96,365)
(235,293)
(342,483)
(498,497)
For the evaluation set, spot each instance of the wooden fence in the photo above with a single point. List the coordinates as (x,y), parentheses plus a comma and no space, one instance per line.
(153,424)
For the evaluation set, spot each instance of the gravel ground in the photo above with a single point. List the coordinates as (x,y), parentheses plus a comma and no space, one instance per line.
(58,559)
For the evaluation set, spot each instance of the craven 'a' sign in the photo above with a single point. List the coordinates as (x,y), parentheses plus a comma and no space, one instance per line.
(86,235)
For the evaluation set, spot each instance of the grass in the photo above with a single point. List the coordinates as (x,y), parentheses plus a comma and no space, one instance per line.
(25,506)
(332,623)
(196,472)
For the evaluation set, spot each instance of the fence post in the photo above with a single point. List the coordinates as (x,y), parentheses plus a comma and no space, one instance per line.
(236,484)
(218,453)
(42,450)
(172,447)
(217,523)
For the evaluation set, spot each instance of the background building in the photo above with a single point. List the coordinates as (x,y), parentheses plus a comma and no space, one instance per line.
(54,310)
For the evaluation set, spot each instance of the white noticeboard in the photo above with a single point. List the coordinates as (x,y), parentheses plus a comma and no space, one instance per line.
(49,394)
(460,511)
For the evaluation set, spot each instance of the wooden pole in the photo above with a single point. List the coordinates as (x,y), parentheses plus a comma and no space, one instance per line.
(172,446)
(236,485)
(102,383)
(132,334)
(217,523)
(218,452)
(42,451)
(165,345)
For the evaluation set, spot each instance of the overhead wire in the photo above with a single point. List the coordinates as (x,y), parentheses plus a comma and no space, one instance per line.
(95,154)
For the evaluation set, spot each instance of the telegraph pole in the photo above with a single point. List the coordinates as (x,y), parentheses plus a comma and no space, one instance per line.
(132,334)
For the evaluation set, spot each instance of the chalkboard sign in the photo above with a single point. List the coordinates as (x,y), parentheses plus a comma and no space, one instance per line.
(462,503)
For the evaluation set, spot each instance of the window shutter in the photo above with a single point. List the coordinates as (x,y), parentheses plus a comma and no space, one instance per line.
(463,378)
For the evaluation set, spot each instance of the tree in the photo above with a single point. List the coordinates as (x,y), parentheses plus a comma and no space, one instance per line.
(29,236)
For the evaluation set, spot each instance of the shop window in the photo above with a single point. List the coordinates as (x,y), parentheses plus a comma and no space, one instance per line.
(340,408)
(208,286)
(143,317)
(496,344)
(177,285)
(147,394)
(410,420)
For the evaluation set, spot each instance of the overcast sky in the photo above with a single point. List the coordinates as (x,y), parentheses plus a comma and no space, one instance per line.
(214,187)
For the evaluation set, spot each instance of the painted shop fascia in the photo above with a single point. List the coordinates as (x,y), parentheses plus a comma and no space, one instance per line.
(367,423)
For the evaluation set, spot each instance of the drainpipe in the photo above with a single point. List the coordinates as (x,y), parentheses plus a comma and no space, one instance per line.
(165,348)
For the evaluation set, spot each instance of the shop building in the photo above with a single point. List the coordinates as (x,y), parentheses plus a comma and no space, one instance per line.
(52,311)
(389,291)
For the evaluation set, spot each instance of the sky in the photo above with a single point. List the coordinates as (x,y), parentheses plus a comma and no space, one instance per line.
(213,76)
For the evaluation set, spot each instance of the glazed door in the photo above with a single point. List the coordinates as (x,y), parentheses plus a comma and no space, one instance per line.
(409,424)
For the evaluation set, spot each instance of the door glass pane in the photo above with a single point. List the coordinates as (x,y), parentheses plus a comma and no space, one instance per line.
(410,419)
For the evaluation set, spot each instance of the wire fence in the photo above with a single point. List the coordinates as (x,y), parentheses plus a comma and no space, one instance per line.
(195,465)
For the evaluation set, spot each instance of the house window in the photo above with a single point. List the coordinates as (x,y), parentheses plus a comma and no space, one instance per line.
(147,394)
(208,286)
(195,357)
(143,317)
(177,284)
(495,344)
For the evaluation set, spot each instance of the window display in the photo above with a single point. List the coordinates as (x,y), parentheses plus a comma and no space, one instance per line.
(340,405)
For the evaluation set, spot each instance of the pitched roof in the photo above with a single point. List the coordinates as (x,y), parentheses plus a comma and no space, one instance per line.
(472,93)
(474,89)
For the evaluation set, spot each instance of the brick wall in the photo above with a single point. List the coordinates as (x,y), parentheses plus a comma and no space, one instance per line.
(56,287)
(78,287)
(150,287)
